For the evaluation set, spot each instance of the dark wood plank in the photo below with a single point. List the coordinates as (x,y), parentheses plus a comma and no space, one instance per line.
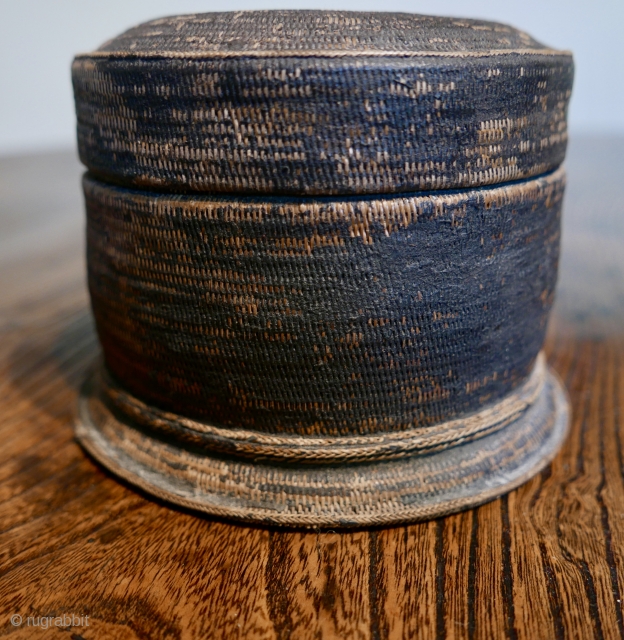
(490,605)
(406,588)
(318,584)
(547,561)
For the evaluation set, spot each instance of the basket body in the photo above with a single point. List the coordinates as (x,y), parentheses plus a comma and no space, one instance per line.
(321,263)
(323,317)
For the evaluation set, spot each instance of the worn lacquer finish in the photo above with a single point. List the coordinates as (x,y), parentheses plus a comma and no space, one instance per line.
(350,334)
(381,347)
(321,102)
(323,317)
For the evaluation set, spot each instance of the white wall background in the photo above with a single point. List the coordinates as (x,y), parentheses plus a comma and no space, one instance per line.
(38,39)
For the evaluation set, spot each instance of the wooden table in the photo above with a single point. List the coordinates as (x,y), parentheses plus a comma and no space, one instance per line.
(546,561)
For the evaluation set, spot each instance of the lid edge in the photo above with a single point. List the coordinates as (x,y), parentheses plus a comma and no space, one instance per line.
(310,53)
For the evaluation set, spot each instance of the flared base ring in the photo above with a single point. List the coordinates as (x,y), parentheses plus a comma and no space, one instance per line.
(411,488)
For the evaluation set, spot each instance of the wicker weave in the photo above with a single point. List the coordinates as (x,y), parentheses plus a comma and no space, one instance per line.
(326,316)
(300,449)
(412,487)
(321,102)
(322,249)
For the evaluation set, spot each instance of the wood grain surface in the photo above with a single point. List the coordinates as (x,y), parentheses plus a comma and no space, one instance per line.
(546,561)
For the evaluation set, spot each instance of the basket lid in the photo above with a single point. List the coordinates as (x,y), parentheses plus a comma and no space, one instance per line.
(321,102)
(317,33)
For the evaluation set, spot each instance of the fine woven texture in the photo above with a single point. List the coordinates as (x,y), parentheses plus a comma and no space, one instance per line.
(353,448)
(244,32)
(321,103)
(327,316)
(381,493)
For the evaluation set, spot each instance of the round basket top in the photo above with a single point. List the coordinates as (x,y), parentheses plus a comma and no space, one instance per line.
(318,33)
(321,103)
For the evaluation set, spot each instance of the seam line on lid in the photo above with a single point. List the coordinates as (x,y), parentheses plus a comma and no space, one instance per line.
(320,54)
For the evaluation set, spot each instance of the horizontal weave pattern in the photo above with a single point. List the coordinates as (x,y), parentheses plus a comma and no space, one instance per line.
(243,32)
(291,448)
(158,108)
(378,493)
(308,126)
(323,316)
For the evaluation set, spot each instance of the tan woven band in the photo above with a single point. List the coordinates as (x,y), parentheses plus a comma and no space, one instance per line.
(339,495)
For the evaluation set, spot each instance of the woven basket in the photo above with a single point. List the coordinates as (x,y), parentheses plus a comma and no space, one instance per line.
(363,350)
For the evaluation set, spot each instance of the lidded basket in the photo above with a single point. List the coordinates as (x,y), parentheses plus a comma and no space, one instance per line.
(322,250)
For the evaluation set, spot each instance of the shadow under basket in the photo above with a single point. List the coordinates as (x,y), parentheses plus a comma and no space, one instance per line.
(329,482)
